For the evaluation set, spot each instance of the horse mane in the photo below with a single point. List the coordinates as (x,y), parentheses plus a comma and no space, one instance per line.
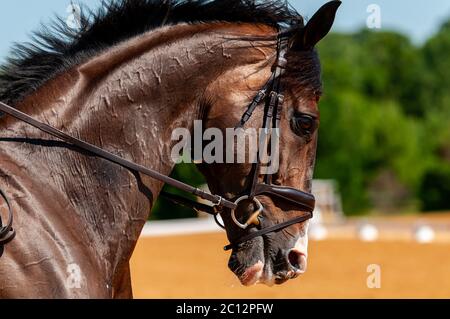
(57,48)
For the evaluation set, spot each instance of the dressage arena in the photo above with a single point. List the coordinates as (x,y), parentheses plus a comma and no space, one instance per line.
(169,263)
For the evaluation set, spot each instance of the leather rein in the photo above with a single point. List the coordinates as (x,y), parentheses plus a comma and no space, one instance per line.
(270,94)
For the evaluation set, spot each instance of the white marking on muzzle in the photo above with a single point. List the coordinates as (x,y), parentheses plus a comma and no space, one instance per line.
(302,243)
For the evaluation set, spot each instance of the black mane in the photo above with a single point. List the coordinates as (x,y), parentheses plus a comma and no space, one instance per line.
(57,48)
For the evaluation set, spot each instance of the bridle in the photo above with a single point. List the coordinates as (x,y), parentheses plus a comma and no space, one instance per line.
(298,200)
(273,100)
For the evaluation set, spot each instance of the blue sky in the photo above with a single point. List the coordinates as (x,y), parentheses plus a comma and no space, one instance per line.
(418,19)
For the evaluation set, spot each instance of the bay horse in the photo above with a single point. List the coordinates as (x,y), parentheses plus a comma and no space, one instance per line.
(137,70)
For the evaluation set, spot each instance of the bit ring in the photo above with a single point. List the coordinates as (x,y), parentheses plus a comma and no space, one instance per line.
(253,219)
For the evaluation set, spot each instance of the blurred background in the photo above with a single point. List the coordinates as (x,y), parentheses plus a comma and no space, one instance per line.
(383,165)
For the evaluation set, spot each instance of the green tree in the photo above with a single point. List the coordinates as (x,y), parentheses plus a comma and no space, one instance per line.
(376,114)
(436,90)
(165,209)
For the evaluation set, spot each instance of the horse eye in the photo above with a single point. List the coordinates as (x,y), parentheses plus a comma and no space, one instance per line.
(303,124)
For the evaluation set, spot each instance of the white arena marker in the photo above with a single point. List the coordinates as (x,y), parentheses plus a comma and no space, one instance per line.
(368,233)
(318,232)
(424,235)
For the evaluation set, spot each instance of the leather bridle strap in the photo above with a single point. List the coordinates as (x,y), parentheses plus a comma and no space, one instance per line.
(268,230)
(274,99)
(197,206)
(186,202)
(215,199)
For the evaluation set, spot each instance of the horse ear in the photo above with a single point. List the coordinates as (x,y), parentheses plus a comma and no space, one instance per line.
(316,28)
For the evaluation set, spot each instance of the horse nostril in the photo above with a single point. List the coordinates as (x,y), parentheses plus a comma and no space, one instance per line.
(297,260)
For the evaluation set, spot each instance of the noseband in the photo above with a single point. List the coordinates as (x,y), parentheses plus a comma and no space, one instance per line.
(273,101)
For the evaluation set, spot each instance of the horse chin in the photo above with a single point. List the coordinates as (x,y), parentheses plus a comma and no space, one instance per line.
(258,274)
(252,275)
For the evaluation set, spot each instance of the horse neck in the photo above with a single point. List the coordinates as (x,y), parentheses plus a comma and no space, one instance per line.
(128,101)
